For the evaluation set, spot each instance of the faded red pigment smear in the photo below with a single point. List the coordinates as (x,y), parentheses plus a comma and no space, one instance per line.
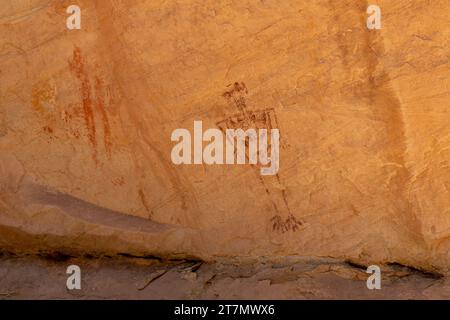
(77,67)
(100,104)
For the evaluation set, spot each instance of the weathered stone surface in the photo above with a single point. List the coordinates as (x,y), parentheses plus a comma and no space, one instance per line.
(86,118)
(22,278)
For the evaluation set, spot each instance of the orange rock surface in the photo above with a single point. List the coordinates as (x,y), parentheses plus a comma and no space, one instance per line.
(86,118)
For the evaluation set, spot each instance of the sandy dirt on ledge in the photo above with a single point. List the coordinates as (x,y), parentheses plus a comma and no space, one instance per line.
(44,277)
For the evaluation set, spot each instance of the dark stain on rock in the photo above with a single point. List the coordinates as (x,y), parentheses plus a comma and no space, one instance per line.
(145,203)
(48,129)
(100,104)
(283,226)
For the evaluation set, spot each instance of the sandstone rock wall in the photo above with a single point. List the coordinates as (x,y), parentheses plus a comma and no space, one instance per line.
(86,118)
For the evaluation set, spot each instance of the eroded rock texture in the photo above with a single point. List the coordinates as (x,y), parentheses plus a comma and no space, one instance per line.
(86,118)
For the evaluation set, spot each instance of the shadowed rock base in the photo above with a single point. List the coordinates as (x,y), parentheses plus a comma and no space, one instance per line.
(134,278)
